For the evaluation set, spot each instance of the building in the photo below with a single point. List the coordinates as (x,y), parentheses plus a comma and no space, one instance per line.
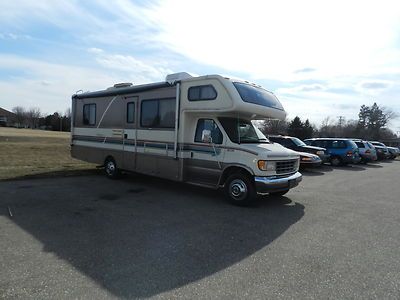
(7,118)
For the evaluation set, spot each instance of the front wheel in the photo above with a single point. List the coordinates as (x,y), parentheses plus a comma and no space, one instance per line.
(110,168)
(240,190)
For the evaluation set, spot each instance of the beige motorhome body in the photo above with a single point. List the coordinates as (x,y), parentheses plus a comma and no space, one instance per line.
(173,130)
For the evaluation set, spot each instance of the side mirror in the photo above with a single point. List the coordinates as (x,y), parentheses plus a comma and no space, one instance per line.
(206,136)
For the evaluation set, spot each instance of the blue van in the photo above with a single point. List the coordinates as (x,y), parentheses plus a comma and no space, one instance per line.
(342,151)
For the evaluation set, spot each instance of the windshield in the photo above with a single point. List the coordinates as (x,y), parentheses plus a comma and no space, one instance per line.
(257,95)
(242,131)
(378,144)
(298,142)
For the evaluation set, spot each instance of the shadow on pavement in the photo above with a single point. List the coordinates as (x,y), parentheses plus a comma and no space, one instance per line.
(140,236)
(351,168)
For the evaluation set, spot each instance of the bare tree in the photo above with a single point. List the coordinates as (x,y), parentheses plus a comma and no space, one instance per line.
(20,115)
(33,115)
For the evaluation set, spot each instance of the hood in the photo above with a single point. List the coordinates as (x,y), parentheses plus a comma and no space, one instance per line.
(273,150)
(313,148)
(306,154)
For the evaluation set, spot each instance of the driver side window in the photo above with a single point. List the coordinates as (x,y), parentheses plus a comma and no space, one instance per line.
(211,126)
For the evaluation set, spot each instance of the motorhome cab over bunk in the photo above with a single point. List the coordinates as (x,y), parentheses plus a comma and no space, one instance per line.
(196,130)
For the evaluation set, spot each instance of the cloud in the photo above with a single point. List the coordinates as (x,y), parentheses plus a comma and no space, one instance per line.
(50,85)
(95,50)
(305,70)
(374,85)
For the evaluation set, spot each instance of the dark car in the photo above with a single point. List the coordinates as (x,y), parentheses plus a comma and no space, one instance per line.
(342,151)
(381,150)
(296,144)
(308,160)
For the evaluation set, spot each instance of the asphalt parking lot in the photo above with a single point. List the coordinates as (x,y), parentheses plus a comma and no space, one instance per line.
(337,235)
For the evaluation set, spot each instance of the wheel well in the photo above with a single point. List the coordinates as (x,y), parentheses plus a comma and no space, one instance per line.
(231,170)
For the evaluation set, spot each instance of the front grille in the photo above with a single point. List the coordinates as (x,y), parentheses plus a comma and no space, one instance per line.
(286,166)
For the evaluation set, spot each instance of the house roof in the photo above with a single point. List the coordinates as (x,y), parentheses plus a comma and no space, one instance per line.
(6,113)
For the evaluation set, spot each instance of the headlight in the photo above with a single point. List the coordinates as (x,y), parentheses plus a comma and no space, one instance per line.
(306,159)
(264,165)
(320,152)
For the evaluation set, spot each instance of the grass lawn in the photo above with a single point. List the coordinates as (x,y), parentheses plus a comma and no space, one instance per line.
(27,153)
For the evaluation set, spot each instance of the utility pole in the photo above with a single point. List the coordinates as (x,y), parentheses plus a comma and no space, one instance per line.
(340,123)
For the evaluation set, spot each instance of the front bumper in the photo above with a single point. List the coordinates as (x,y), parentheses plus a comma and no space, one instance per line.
(275,184)
(310,164)
(325,158)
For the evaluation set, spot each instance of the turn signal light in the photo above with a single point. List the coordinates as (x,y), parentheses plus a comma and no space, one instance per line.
(262,165)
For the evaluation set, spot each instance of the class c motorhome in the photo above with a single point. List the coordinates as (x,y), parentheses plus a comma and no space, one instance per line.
(197,130)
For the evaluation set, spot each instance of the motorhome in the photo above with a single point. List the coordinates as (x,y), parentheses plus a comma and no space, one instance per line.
(197,130)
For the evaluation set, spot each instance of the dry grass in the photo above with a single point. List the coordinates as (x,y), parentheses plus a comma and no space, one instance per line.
(26,153)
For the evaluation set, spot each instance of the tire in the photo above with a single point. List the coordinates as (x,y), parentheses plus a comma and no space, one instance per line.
(336,161)
(239,190)
(279,194)
(110,168)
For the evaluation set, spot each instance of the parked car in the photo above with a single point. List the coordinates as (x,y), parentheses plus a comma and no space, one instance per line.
(367,151)
(342,151)
(394,152)
(309,160)
(381,150)
(299,146)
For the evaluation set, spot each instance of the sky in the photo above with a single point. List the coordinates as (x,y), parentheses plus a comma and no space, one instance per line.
(321,58)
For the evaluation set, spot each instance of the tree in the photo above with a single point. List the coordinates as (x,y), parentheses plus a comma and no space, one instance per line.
(32,116)
(20,115)
(308,130)
(273,126)
(372,120)
(295,128)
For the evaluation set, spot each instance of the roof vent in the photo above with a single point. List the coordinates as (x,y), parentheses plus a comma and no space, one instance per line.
(172,78)
(122,85)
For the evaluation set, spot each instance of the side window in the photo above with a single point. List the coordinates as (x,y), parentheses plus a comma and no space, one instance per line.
(130,112)
(286,142)
(321,143)
(202,92)
(207,124)
(360,144)
(89,114)
(338,144)
(159,113)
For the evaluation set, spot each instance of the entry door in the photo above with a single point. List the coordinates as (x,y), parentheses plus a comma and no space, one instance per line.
(130,134)
(206,156)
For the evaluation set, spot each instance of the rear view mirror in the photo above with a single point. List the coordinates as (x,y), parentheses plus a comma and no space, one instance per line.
(206,136)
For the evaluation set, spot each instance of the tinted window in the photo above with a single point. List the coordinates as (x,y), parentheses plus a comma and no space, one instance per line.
(284,142)
(257,95)
(338,144)
(320,143)
(158,113)
(202,92)
(207,124)
(89,114)
(130,112)
(241,131)
(360,144)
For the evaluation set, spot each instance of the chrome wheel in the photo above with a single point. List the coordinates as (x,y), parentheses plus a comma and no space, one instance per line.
(110,168)
(238,189)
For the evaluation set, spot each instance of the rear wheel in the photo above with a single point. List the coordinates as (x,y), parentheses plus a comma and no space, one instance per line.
(240,190)
(110,168)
